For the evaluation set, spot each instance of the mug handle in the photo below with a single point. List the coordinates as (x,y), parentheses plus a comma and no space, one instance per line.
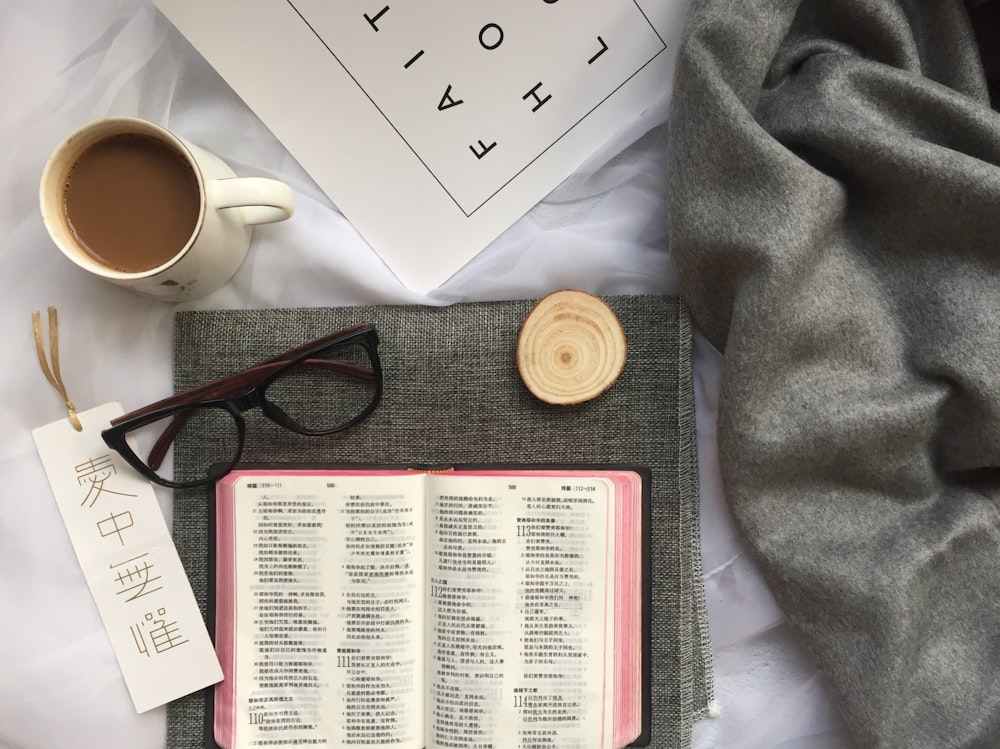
(264,201)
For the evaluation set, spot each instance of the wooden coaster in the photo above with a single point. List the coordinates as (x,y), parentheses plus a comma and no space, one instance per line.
(571,348)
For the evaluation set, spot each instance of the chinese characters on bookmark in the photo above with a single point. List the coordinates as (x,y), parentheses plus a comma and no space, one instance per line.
(129,560)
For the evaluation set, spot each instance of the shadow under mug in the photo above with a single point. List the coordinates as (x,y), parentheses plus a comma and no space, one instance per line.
(229,206)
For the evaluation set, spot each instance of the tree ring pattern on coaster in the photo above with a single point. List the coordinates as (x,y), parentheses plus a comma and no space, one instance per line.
(571,348)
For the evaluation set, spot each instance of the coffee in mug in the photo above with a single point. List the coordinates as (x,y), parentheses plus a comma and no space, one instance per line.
(143,208)
(132,202)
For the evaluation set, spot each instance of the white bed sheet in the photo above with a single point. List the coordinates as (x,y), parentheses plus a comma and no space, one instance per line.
(604,230)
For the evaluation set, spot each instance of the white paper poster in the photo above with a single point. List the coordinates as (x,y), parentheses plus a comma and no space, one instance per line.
(434,125)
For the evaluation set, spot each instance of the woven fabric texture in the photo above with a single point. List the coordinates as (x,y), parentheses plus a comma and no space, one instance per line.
(453,395)
(834,182)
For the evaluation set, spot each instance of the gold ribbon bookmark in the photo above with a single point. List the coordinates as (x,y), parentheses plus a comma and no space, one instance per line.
(53,375)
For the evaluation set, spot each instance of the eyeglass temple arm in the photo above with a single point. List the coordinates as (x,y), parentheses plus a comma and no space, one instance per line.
(225,386)
(246,377)
(237,381)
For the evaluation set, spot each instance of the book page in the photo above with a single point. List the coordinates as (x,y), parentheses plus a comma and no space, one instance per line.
(327,611)
(519,612)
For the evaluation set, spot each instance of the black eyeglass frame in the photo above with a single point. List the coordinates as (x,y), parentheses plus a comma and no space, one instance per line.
(237,393)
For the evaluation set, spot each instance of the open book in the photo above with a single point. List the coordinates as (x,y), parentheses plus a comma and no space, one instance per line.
(471,608)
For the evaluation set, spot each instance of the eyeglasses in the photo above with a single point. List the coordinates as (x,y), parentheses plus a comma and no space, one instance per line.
(318,388)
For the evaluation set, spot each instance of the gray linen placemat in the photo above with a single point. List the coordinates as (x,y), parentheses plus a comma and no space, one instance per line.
(453,395)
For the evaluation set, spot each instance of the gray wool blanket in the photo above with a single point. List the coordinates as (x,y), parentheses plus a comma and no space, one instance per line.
(835,202)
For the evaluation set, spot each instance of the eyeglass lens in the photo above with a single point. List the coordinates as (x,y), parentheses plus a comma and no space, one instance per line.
(326,391)
(317,395)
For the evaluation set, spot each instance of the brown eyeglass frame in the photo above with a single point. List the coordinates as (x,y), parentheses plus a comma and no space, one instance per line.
(240,392)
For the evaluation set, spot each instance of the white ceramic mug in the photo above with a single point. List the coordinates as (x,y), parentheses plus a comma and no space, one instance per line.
(229,206)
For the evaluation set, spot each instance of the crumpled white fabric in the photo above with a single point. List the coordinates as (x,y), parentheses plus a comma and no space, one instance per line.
(603,230)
